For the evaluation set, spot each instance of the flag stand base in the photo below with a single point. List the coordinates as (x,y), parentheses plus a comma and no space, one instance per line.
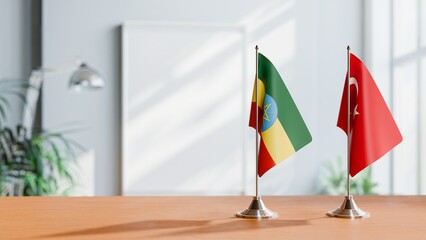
(257,209)
(348,209)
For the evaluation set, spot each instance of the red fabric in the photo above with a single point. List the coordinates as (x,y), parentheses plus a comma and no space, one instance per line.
(373,130)
(265,159)
(252,120)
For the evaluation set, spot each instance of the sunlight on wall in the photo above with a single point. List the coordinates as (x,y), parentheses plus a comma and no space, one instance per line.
(200,55)
(189,97)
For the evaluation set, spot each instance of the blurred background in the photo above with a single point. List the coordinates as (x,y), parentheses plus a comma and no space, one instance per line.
(172,115)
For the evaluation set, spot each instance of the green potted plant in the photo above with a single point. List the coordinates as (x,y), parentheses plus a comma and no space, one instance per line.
(40,164)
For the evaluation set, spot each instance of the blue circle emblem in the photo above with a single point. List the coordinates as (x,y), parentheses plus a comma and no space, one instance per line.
(270,112)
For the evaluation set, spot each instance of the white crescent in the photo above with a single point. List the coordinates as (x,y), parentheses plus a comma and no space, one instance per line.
(353,81)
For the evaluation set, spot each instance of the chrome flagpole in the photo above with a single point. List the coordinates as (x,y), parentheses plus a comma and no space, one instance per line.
(257,208)
(348,209)
(257,120)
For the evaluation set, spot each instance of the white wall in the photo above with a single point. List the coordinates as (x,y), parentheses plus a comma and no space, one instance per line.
(15,47)
(306,40)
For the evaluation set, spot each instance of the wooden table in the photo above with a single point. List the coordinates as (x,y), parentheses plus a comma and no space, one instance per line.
(301,217)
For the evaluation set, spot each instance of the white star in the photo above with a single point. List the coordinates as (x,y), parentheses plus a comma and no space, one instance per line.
(355,112)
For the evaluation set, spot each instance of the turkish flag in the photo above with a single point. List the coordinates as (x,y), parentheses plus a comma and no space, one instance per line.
(373,131)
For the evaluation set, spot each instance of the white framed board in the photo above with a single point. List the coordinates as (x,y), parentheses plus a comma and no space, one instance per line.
(184,108)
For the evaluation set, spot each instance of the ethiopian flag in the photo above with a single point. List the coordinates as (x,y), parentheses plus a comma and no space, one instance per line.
(280,125)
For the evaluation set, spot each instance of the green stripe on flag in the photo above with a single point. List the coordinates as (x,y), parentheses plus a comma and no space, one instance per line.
(288,114)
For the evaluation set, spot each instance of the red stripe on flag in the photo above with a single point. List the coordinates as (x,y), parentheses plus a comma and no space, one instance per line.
(252,120)
(265,159)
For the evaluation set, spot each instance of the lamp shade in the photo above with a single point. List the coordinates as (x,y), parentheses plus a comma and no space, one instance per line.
(86,77)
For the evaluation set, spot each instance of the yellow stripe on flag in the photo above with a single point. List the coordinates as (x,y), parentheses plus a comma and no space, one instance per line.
(277,142)
(260,92)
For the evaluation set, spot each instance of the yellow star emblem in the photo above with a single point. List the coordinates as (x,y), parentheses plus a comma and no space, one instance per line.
(265,113)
